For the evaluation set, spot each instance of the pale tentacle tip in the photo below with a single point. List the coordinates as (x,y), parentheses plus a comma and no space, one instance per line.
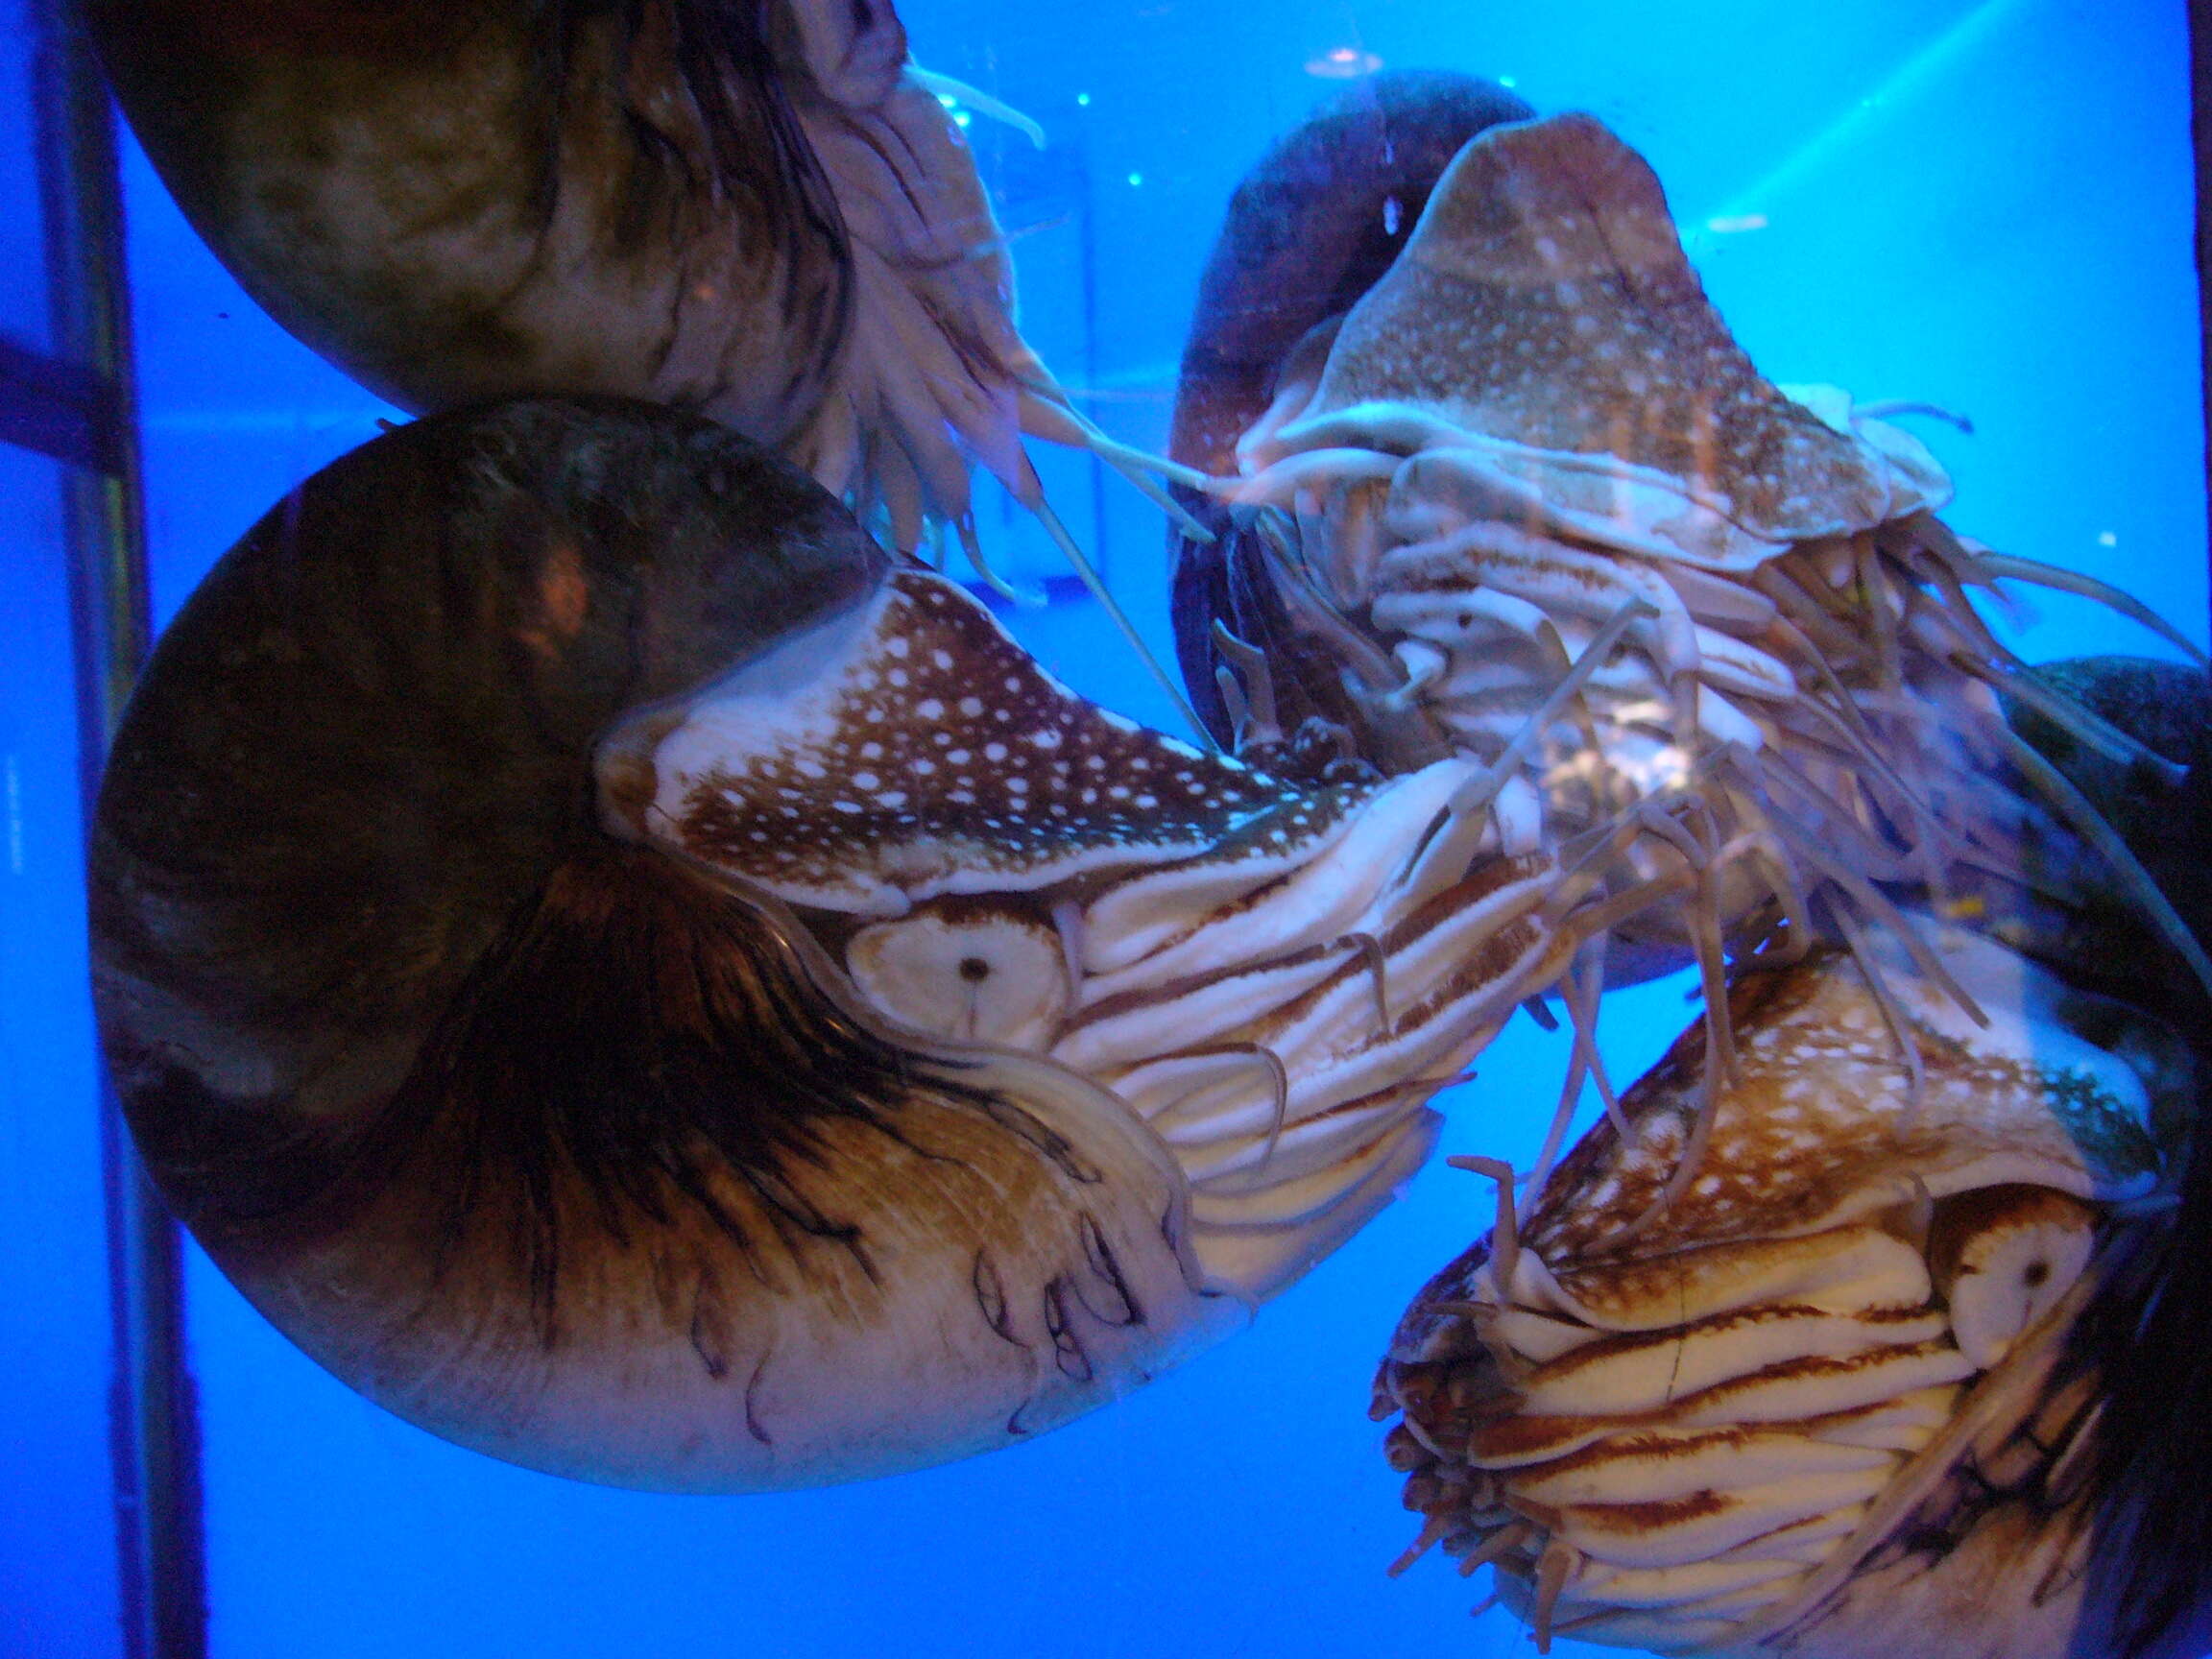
(1505,1239)
(1539,1010)
(1423,665)
(943,87)
(1555,1570)
(1432,1532)
(1242,731)
(1247,686)
(1047,410)
(972,546)
(1500,1543)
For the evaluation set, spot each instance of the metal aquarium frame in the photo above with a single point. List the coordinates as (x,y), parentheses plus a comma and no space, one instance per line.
(78,404)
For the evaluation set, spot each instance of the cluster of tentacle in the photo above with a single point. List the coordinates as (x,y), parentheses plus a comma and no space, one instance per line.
(1274,975)
(1532,504)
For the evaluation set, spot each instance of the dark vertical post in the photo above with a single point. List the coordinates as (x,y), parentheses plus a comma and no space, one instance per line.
(2201,134)
(153,1416)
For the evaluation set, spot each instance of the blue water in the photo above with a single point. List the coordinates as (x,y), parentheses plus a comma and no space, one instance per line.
(1982,206)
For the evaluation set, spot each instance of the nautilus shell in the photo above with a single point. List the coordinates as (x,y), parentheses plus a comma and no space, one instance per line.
(1849,1393)
(1312,227)
(760,212)
(641,987)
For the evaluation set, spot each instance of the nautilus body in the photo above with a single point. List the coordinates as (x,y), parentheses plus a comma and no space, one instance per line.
(640,987)
(760,212)
(1535,505)
(1849,1393)
(1273,976)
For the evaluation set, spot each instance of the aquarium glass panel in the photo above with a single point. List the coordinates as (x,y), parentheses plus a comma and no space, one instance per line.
(1790,282)
(57,1514)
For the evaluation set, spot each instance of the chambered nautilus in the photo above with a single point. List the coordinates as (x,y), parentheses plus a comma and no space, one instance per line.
(755,208)
(638,984)
(1862,1323)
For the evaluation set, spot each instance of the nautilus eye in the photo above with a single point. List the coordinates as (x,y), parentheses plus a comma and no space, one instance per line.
(982,973)
(1846,1382)
(2005,1257)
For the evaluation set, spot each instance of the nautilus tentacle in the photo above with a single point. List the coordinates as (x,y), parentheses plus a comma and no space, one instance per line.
(757,210)
(640,989)
(1843,1396)
(1834,1341)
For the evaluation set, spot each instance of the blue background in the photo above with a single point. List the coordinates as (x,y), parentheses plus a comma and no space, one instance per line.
(1982,206)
